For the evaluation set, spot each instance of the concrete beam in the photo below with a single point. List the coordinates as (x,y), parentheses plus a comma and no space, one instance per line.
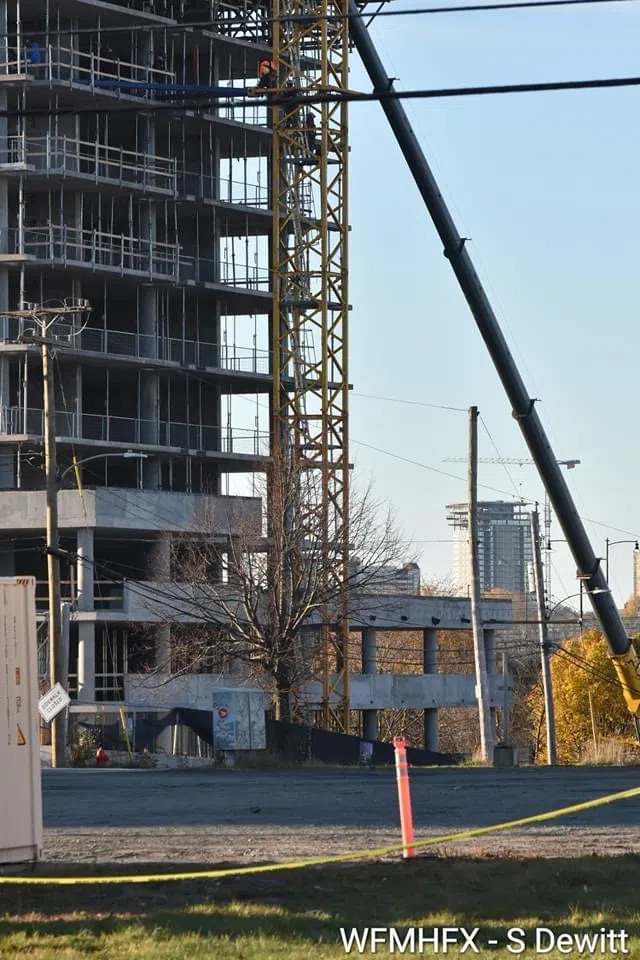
(397,612)
(386,690)
(121,509)
(413,691)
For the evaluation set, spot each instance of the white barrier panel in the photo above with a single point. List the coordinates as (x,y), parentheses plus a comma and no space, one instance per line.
(20,793)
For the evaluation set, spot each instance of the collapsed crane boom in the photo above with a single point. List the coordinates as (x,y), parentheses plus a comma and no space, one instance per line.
(625,659)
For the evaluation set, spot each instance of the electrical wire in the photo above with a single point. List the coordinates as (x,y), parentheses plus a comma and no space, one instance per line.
(499,455)
(413,403)
(319,98)
(175,27)
(425,466)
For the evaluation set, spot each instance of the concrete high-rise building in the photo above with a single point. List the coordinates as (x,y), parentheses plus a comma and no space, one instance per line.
(504,545)
(158,214)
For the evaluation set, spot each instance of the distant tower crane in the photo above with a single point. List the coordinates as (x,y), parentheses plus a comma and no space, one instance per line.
(516,462)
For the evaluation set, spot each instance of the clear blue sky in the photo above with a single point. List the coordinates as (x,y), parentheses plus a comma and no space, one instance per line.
(547,186)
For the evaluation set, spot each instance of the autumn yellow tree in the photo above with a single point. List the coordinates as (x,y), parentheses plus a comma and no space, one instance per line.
(580,667)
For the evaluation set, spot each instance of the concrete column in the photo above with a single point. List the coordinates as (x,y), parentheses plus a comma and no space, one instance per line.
(148,306)
(164,740)
(8,559)
(163,648)
(159,560)
(430,661)
(84,549)
(86,631)
(149,387)
(490,655)
(148,138)
(369,666)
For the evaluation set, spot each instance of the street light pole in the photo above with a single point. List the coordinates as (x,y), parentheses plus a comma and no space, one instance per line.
(612,543)
(45,318)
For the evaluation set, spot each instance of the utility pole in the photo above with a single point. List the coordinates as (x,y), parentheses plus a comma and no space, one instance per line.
(56,652)
(543,624)
(505,698)
(594,729)
(45,318)
(482,683)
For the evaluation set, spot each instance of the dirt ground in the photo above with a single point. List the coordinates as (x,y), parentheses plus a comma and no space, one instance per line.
(246,817)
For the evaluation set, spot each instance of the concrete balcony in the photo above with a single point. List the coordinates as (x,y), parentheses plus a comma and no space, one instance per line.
(58,64)
(101,428)
(108,595)
(116,508)
(104,74)
(94,250)
(70,157)
(145,347)
(126,255)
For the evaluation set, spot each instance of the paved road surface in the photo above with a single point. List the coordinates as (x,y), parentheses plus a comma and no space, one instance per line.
(209,816)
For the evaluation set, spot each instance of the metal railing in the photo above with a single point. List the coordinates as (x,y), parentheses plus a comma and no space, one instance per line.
(62,155)
(66,156)
(128,254)
(94,248)
(54,63)
(163,433)
(148,347)
(203,187)
(107,594)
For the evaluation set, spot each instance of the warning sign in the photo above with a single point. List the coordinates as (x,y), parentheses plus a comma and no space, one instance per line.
(20,738)
(53,702)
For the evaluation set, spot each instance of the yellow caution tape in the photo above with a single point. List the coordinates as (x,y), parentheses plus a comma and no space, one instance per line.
(320,861)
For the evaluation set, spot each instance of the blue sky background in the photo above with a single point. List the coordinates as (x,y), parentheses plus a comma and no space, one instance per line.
(547,186)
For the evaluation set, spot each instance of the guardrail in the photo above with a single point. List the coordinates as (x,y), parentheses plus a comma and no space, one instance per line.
(128,254)
(65,156)
(16,421)
(148,347)
(107,594)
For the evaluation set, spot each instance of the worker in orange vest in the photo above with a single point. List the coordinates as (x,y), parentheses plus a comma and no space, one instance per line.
(267,75)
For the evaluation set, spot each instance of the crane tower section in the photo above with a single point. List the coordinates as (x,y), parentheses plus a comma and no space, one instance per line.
(310,299)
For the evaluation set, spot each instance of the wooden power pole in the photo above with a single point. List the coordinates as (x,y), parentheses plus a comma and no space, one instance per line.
(45,318)
(543,631)
(57,667)
(482,682)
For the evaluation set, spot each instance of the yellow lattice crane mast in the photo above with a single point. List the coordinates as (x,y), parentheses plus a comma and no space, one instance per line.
(310,299)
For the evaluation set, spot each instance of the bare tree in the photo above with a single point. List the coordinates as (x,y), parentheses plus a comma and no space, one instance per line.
(259,597)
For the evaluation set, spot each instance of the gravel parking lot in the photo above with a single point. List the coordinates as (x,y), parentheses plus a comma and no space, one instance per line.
(214,816)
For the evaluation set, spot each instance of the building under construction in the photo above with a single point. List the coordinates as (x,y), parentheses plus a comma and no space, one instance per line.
(204,223)
(137,175)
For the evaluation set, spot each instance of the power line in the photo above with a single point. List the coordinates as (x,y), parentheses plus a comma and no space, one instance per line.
(413,403)
(210,25)
(499,455)
(335,97)
(425,466)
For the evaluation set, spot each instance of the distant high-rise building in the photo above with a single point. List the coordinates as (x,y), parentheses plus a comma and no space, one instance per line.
(504,545)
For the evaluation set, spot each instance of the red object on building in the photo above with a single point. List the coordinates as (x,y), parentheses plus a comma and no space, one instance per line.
(102,757)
